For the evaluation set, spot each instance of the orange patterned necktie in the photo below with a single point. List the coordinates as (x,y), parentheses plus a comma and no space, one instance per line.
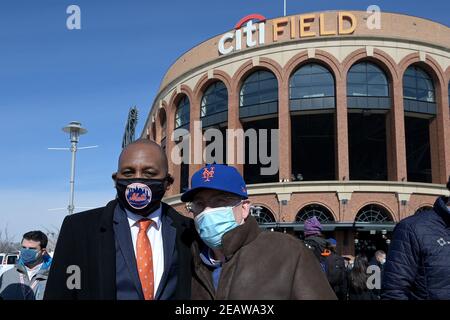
(144,259)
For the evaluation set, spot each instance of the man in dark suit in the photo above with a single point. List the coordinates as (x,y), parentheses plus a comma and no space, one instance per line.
(136,247)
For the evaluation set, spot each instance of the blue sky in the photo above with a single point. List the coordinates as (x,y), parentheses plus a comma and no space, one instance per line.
(50,76)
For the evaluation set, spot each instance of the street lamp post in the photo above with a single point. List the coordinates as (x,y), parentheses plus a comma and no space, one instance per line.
(74,129)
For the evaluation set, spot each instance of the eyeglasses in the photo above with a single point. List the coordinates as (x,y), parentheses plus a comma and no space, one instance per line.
(197,206)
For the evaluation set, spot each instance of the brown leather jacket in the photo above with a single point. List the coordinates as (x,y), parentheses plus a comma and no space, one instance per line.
(261,265)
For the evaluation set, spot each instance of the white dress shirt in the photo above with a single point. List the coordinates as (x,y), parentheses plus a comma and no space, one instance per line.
(32,272)
(154,234)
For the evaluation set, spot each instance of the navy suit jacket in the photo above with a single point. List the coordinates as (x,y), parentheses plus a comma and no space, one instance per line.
(128,284)
(97,243)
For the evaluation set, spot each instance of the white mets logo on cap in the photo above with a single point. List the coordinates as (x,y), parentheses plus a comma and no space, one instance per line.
(138,195)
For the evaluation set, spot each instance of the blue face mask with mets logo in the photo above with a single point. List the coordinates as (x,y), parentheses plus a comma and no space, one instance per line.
(212,224)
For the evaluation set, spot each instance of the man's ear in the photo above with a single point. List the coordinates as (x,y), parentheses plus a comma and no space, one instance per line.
(114,176)
(169,181)
(246,205)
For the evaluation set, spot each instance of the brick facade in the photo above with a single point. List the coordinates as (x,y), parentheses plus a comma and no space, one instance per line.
(394,48)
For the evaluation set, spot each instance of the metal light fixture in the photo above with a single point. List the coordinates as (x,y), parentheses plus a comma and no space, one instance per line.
(75,130)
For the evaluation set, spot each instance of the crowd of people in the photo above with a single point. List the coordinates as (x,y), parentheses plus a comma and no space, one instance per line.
(347,276)
(139,248)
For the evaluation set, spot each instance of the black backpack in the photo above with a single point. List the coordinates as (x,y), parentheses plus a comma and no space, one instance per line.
(317,249)
(332,264)
(335,269)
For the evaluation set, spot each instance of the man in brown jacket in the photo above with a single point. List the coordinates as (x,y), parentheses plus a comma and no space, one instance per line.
(233,258)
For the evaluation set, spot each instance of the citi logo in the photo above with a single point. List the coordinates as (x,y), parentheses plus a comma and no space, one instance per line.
(249,28)
(443,242)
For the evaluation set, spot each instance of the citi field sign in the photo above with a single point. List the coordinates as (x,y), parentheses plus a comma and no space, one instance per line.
(300,26)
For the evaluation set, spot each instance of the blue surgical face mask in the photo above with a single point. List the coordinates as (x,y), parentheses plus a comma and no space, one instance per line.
(212,224)
(29,256)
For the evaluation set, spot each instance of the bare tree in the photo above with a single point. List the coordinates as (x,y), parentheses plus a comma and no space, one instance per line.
(6,242)
(52,235)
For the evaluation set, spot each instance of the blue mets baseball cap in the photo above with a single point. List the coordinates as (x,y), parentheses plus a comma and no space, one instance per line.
(217,177)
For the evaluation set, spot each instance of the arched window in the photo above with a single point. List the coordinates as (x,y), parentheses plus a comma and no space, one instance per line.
(367,87)
(214,100)
(262,215)
(418,91)
(367,90)
(182,118)
(373,213)
(314,210)
(214,112)
(419,102)
(258,109)
(366,79)
(311,87)
(258,95)
(418,85)
(163,126)
(182,114)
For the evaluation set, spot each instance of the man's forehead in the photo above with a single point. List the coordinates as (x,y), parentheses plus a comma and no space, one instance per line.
(141,154)
(30,243)
(140,149)
(138,155)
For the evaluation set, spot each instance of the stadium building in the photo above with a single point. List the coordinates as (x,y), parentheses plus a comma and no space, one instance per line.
(361,104)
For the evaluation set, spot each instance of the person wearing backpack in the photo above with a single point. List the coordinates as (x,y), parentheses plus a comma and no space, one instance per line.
(333,265)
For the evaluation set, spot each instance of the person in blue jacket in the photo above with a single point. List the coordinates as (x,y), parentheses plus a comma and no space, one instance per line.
(418,261)
(28,279)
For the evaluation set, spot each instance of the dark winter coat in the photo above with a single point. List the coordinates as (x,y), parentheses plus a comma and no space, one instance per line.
(261,265)
(418,262)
